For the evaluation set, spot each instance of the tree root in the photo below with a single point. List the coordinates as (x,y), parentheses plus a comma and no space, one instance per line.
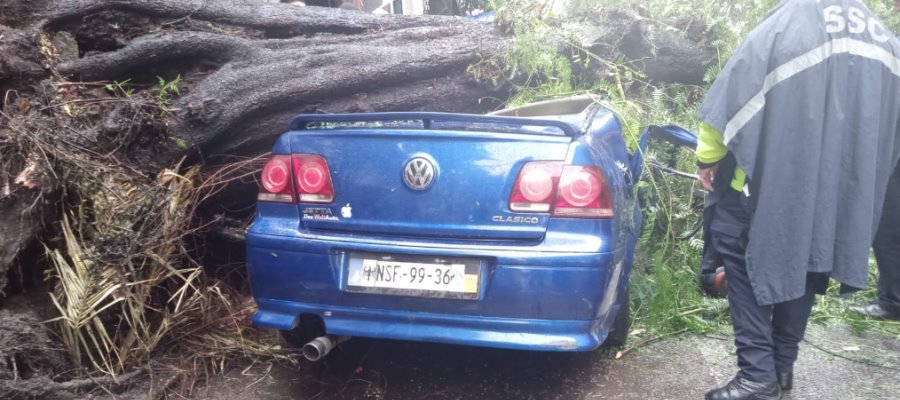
(158,49)
(43,387)
(20,59)
(294,78)
(257,85)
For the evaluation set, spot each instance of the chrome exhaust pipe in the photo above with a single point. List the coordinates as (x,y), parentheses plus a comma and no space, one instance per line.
(319,347)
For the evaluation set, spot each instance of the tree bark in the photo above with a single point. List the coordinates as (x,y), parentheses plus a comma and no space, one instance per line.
(20,58)
(308,59)
(277,19)
(269,61)
(665,52)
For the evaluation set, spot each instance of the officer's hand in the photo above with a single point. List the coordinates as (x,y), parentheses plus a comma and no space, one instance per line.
(706,176)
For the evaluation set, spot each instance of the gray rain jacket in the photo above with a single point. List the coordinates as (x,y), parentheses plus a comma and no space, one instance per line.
(809,106)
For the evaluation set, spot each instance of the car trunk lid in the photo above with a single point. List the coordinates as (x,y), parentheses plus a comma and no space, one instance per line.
(447,175)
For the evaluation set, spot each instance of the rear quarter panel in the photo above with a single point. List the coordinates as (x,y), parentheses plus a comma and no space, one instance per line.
(605,144)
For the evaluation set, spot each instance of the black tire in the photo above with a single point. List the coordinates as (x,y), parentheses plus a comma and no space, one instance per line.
(309,328)
(619,331)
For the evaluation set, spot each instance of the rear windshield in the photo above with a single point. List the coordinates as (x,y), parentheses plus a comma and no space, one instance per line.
(396,124)
(494,127)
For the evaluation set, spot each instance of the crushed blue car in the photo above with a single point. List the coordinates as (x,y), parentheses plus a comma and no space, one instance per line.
(513,230)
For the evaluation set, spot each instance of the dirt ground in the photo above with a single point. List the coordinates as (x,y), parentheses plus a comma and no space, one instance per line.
(835,363)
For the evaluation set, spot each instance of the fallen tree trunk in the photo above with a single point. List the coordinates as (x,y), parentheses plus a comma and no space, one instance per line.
(665,52)
(275,19)
(251,86)
(262,62)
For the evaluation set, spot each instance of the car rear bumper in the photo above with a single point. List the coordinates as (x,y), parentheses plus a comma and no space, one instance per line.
(528,298)
(519,334)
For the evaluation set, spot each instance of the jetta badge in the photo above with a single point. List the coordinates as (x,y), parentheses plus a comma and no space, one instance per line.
(418,173)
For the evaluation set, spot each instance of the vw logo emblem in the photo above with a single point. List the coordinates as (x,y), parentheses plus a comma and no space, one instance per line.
(418,173)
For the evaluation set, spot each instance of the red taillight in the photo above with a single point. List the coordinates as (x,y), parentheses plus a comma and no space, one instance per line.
(276,181)
(583,192)
(563,190)
(313,178)
(308,173)
(533,190)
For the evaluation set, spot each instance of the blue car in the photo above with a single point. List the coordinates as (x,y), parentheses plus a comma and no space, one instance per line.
(512,230)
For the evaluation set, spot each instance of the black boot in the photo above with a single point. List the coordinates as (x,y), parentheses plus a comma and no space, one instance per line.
(876,310)
(743,389)
(786,380)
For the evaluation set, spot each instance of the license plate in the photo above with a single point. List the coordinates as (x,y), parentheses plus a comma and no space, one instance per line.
(407,275)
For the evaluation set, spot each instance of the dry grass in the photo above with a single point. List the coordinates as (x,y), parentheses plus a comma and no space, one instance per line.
(121,290)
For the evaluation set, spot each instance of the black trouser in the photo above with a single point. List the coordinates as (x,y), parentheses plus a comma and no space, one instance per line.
(766,337)
(887,247)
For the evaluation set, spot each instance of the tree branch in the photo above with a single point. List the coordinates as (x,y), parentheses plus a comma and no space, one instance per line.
(155,49)
(41,387)
(281,20)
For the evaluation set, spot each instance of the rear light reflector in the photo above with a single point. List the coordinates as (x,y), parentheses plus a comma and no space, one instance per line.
(276,181)
(275,198)
(534,187)
(313,178)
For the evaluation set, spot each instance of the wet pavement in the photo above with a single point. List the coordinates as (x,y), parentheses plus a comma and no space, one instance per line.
(835,363)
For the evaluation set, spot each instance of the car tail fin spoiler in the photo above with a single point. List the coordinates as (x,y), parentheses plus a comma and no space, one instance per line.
(436,121)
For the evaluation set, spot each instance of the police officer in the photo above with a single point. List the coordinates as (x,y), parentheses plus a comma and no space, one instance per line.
(767,337)
(800,128)
(887,255)
(887,252)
